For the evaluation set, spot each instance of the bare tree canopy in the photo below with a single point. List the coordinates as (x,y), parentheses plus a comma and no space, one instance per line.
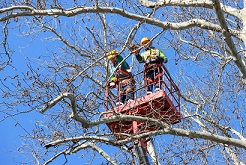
(54,61)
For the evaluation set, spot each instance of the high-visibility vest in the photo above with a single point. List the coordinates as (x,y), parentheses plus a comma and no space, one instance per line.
(146,56)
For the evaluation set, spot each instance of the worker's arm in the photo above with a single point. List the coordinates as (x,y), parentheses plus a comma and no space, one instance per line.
(135,49)
(139,58)
(162,57)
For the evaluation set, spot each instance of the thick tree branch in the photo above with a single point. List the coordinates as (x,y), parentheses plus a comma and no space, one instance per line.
(194,3)
(74,114)
(227,37)
(95,148)
(193,134)
(79,10)
(75,139)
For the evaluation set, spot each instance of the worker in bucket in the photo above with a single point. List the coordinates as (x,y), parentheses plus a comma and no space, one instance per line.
(153,59)
(122,76)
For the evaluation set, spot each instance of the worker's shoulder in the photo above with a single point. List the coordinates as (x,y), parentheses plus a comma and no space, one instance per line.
(160,50)
(119,57)
(154,48)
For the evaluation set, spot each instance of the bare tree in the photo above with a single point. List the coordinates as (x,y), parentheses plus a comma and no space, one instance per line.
(65,73)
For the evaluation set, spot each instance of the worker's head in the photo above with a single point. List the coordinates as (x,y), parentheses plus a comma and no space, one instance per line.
(146,42)
(112,54)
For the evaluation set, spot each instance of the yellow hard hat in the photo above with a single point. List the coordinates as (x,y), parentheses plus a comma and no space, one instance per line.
(144,40)
(112,54)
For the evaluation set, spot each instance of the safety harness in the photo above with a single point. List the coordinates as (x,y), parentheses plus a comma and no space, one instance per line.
(127,80)
(152,65)
(152,51)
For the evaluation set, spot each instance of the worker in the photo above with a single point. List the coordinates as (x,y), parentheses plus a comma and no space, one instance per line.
(153,59)
(121,75)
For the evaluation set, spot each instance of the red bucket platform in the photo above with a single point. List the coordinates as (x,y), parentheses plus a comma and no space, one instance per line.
(156,106)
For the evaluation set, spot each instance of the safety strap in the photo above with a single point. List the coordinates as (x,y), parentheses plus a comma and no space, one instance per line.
(128,89)
(126,81)
(149,66)
(148,79)
(123,82)
(159,75)
(125,72)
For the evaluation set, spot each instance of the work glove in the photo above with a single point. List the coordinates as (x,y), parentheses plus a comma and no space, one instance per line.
(114,79)
(134,48)
(152,58)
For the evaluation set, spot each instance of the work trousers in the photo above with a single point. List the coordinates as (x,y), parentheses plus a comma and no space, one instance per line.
(153,78)
(126,91)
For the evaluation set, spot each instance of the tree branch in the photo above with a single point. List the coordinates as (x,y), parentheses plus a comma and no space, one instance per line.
(194,3)
(74,114)
(55,156)
(79,10)
(225,31)
(192,134)
(94,147)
